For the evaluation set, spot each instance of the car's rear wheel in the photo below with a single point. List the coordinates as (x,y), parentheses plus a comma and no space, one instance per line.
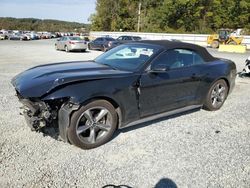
(93,124)
(89,47)
(216,96)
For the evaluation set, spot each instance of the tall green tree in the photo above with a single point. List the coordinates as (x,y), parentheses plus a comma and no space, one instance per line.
(198,16)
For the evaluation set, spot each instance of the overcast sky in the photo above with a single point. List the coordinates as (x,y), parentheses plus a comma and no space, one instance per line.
(68,10)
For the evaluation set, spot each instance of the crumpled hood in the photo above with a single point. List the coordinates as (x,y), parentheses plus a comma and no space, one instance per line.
(38,81)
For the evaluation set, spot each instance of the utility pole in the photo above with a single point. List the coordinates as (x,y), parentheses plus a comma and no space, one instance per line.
(139,17)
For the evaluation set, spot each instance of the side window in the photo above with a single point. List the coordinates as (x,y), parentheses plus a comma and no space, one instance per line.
(169,59)
(189,57)
(98,39)
(127,38)
(178,58)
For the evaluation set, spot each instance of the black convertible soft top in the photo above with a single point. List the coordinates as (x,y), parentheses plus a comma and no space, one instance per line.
(167,45)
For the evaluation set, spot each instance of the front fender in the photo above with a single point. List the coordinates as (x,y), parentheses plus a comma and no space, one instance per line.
(120,90)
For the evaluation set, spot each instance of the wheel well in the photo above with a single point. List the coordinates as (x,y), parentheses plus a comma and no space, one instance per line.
(227,82)
(113,102)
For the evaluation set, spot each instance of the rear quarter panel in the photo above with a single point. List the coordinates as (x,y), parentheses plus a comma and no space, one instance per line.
(213,71)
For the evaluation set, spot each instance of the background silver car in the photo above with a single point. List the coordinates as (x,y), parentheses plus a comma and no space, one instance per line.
(70,43)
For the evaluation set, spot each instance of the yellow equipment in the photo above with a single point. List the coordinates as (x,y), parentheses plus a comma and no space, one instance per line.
(223,37)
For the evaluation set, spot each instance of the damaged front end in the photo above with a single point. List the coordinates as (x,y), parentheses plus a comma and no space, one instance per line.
(37,113)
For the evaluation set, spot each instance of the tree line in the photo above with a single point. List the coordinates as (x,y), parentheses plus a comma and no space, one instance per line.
(33,24)
(173,16)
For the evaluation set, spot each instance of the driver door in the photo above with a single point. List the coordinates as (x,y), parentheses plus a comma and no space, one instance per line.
(171,89)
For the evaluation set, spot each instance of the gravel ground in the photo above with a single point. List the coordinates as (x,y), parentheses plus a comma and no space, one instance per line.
(198,149)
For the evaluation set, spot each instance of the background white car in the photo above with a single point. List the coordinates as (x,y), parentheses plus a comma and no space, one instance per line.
(71,43)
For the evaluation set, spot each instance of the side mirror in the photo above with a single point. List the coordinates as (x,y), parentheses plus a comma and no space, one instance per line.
(160,68)
(58,39)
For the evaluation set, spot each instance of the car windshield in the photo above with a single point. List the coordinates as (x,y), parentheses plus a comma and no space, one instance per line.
(129,57)
(74,38)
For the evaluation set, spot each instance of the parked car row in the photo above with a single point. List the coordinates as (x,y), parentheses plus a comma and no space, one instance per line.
(107,43)
(33,35)
(71,43)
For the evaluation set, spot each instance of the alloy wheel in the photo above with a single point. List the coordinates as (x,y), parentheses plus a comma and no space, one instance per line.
(218,95)
(93,125)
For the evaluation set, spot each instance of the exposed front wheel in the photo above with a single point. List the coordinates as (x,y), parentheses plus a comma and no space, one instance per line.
(93,124)
(216,96)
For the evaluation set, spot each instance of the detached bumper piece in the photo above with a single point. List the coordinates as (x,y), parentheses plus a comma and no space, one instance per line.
(64,119)
(37,114)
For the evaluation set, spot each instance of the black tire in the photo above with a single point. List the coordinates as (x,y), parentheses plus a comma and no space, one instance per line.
(84,50)
(104,49)
(81,135)
(89,47)
(215,44)
(66,48)
(216,96)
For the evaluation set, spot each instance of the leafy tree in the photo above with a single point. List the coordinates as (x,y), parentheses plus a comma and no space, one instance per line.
(198,16)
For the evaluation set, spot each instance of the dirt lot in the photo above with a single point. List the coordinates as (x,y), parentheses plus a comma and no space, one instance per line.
(198,149)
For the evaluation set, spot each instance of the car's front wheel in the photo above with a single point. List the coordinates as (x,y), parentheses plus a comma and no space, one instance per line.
(216,96)
(66,48)
(104,49)
(93,124)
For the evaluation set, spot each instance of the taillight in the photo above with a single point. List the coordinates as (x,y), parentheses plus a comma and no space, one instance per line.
(71,42)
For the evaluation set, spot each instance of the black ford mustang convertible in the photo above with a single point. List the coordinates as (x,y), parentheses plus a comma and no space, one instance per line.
(127,85)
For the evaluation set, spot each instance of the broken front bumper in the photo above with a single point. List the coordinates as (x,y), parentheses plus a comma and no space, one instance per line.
(36,114)
(64,119)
